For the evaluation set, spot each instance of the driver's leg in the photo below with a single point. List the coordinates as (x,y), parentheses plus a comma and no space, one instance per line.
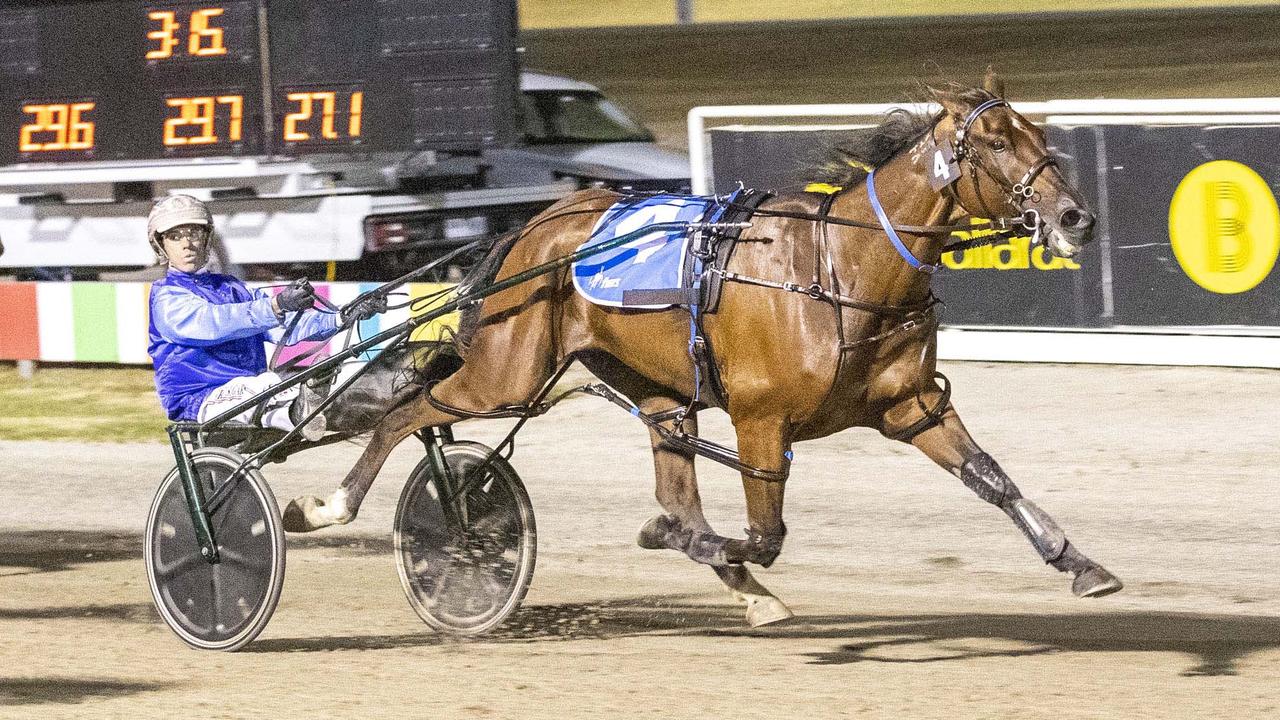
(283,411)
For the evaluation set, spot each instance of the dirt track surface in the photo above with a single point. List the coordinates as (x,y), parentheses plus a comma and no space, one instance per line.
(914,598)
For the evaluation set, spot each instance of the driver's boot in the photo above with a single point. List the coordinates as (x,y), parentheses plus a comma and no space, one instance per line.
(309,399)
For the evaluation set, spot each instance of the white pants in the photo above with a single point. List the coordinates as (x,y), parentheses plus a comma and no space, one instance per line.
(242,388)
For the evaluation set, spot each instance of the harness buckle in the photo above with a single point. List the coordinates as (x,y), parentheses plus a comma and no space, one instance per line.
(815,291)
(1031,219)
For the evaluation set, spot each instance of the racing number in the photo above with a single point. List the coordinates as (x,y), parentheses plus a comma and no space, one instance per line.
(327,102)
(940,168)
(203,39)
(65,121)
(196,120)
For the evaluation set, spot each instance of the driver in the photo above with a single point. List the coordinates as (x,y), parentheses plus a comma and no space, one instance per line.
(207,330)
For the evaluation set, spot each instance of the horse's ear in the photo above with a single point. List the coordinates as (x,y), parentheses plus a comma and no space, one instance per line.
(993,83)
(950,102)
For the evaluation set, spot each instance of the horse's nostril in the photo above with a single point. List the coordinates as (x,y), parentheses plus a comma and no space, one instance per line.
(1075,218)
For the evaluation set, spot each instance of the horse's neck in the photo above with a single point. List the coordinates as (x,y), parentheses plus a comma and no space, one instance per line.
(880,273)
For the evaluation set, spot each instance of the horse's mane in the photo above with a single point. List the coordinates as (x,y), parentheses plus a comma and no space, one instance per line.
(847,163)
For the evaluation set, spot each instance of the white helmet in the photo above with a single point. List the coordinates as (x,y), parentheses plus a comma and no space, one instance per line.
(172,211)
(175,210)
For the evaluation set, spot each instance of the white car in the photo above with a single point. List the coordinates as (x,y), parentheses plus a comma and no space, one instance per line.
(571,130)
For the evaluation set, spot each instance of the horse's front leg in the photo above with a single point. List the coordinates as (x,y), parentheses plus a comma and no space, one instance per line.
(950,445)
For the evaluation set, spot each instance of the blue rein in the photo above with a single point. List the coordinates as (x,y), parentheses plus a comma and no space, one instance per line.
(888,228)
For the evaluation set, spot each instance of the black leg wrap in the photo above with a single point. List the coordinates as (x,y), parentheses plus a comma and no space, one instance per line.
(984,476)
(763,549)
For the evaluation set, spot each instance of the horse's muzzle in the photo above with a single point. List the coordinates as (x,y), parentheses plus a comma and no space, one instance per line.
(1072,231)
(1078,222)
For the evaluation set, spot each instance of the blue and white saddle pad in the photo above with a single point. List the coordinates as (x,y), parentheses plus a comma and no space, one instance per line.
(653,261)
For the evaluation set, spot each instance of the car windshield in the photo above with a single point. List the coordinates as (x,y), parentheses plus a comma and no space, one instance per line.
(577,116)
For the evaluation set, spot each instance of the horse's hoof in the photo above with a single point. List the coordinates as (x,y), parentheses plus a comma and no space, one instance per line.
(764,609)
(656,534)
(1095,582)
(310,513)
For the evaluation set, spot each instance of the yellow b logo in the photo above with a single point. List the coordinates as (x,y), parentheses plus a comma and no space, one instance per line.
(1224,227)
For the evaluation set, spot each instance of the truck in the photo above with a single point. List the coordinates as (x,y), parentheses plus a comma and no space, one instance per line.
(349,140)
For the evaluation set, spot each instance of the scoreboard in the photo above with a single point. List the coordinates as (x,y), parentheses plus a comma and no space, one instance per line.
(138,80)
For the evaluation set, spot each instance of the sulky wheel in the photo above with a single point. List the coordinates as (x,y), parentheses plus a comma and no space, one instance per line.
(225,605)
(465,575)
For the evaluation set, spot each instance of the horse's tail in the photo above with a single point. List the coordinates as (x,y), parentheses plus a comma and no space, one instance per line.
(482,274)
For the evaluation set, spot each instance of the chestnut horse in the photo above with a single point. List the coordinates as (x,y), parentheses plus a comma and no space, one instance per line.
(792,367)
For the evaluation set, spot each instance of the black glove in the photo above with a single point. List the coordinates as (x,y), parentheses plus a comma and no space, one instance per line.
(364,308)
(299,295)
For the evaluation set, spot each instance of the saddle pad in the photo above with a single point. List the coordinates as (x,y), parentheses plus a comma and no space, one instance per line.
(653,261)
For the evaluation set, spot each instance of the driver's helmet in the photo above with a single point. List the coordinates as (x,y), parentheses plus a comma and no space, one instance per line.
(172,211)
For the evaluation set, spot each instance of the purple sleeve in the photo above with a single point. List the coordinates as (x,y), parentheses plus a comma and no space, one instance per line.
(185,318)
(314,325)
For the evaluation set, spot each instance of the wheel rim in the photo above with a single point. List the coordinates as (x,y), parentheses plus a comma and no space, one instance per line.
(224,605)
(466,580)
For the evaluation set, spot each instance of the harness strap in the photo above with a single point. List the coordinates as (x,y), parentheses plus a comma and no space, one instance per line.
(932,416)
(824,294)
(1005,225)
(675,436)
(921,320)
(888,228)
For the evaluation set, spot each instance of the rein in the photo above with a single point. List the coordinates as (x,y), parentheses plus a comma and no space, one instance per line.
(1006,225)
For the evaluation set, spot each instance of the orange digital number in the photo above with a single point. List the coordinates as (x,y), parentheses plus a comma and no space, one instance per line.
(291,132)
(65,122)
(201,31)
(197,120)
(164,36)
(203,38)
(328,111)
(357,109)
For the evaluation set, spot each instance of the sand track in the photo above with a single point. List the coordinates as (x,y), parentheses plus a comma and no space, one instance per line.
(915,599)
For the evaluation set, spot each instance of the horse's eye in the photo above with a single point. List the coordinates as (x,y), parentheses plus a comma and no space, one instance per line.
(997,145)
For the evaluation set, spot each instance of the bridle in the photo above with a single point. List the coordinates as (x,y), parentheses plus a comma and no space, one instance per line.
(1016,194)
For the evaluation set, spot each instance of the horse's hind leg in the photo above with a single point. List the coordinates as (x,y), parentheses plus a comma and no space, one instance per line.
(949,445)
(488,380)
(684,527)
(308,513)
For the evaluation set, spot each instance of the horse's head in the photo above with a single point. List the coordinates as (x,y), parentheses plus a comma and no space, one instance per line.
(1006,168)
